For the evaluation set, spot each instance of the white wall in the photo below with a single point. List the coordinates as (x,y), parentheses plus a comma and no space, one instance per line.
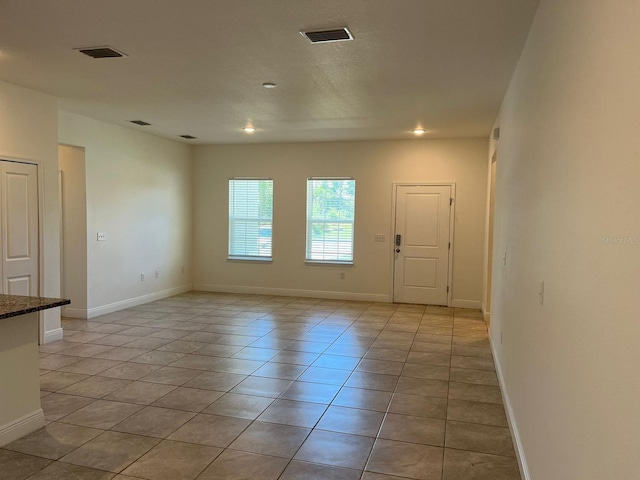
(568,176)
(139,194)
(74,229)
(28,132)
(375,165)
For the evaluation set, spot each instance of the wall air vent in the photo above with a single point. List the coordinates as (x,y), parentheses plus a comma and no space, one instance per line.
(327,36)
(101,52)
(140,122)
(188,137)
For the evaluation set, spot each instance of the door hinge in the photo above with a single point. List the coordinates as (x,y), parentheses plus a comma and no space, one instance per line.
(451,201)
(447,288)
(449,245)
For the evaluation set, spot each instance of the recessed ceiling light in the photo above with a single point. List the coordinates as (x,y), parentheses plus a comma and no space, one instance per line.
(249,129)
(142,123)
(418,131)
(269,85)
(188,137)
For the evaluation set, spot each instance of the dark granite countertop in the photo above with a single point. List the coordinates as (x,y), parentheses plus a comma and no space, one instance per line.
(14,305)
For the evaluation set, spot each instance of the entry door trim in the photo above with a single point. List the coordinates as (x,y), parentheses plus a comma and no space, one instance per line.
(392,247)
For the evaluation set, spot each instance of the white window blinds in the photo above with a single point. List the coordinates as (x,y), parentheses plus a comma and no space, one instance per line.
(250,218)
(330,219)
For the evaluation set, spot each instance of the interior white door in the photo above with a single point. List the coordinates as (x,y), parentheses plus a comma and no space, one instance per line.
(421,270)
(19,217)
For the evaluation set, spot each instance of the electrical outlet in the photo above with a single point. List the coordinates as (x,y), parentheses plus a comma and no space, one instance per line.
(379,237)
(102,237)
(142,277)
(157,273)
(343,275)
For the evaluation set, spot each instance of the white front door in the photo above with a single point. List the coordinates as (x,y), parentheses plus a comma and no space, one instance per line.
(19,217)
(422,248)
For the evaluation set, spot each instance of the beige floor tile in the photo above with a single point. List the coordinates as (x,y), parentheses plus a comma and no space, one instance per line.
(336,449)
(57,405)
(476,412)
(240,406)
(311,392)
(111,451)
(171,376)
(479,438)
(197,362)
(290,412)
(380,366)
(189,399)
(373,381)
(129,371)
(102,414)
(336,361)
(428,358)
(476,363)
(475,393)
(351,420)
(431,372)
(142,393)
(363,399)
(259,438)
(406,428)
(53,441)
(122,353)
(173,461)
(462,465)
(90,366)
(54,381)
(156,357)
(212,430)
(283,371)
(154,422)
(480,377)
(18,466)
(67,471)
(235,465)
(261,386)
(95,387)
(418,405)
(309,471)
(421,386)
(420,462)
(220,381)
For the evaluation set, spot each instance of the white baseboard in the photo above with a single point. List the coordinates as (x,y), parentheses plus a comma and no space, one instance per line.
(292,292)
(21,427)
(513,425)
(486,315)
(74,312)
(134,302)
(53,335)
(474,304)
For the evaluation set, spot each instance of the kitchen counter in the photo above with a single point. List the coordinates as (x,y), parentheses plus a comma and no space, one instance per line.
(14,305)
(20,409)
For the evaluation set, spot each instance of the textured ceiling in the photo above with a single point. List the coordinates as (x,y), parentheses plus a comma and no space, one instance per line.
(197,66)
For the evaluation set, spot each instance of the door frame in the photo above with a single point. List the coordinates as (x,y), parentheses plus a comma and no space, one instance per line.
(40,175)
(452,216)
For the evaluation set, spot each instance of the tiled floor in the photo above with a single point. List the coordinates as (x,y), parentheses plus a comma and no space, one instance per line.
(218,386)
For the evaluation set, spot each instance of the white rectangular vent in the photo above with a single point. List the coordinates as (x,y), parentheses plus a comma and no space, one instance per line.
(327,36)
(101,52)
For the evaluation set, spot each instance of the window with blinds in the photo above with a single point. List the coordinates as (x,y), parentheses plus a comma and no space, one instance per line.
(250,218)
(330,219)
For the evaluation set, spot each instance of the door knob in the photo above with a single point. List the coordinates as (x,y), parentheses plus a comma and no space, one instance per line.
(397,250)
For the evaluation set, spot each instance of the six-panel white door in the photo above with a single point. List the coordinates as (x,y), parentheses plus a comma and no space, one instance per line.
(421,238)
(19,217)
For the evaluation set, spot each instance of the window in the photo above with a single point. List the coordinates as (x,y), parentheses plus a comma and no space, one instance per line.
(250,218)
(330,215)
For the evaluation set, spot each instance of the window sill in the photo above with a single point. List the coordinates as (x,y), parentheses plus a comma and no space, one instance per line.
(250,259)
(329,262)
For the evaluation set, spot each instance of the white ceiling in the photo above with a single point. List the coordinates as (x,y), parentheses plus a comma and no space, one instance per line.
(197,66)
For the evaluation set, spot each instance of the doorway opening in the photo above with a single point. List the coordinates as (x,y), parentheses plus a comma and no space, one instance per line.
(73,230)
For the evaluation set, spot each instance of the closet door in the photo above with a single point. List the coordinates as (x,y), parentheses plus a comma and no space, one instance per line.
(19,217)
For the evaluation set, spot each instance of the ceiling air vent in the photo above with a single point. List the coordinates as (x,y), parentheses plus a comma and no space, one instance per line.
(188,137)
(326,36)
(140,122)
(101,52)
